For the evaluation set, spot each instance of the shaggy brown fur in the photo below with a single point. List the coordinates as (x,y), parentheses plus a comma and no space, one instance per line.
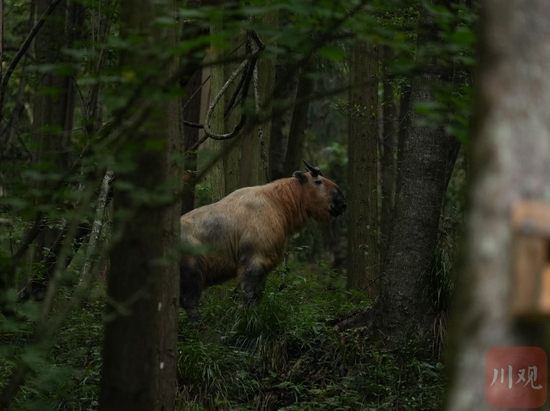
(247,233)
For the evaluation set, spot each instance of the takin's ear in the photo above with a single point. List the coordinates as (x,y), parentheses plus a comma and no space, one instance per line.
(300,176)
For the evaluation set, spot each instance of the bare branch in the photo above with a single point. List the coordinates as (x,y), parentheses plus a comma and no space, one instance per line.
(207,128)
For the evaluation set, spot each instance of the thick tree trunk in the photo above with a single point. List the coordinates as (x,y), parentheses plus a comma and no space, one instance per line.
(388,160)
(511,161)
(404,307)
(139,354)
(363,264)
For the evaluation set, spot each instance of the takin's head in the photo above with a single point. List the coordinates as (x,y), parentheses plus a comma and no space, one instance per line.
(323,197)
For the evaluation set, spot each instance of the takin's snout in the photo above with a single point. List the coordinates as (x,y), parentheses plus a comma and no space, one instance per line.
(338,203)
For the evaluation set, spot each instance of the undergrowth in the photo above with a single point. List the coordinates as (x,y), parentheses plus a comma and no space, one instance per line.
(282,355)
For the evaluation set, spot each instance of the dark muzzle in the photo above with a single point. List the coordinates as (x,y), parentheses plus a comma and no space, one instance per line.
(338,204)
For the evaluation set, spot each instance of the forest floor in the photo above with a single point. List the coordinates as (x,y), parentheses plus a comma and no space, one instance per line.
(284,354)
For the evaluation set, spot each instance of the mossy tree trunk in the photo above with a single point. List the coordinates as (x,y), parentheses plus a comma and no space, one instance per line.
(511,162)
(139,354)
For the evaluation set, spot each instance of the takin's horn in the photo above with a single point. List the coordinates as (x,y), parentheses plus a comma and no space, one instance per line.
(315,171)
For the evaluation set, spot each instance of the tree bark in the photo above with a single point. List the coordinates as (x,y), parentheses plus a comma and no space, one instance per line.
(139,353)
(255,148)
(191,112)
(298,125)
(404,122)
(404,308)
(53,118)
(388,160)
(511,161)
(217,80)
(363,263)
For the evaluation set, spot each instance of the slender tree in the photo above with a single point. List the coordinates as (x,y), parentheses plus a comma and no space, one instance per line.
(139,354)
(53,112)
(363,264)
(511,162)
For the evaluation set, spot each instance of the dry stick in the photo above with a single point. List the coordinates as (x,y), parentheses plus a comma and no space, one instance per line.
(207,128)
(96,226)
(22,50)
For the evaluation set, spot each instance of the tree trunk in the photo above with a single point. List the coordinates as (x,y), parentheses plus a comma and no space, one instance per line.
(225,176)
(404,122)
(255,148)
(388,160)
(363,263)
(279,139)
(139,354)
(511,161)
(53,118)
(191,112)
(404,308)
(298,125)
(217,80)
(232,159)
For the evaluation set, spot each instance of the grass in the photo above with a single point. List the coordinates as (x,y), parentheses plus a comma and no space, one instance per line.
(281,355)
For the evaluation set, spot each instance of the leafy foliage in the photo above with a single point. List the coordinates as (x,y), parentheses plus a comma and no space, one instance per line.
(281,354)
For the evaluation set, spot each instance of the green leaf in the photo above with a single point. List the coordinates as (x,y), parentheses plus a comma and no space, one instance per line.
(333,53)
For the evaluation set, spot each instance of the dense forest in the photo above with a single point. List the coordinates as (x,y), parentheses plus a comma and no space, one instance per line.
(271,205)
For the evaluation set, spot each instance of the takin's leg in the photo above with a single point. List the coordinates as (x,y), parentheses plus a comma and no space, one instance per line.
(252,282)
(191,285)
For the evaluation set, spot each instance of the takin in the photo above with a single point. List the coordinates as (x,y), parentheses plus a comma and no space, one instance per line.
(247,233)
